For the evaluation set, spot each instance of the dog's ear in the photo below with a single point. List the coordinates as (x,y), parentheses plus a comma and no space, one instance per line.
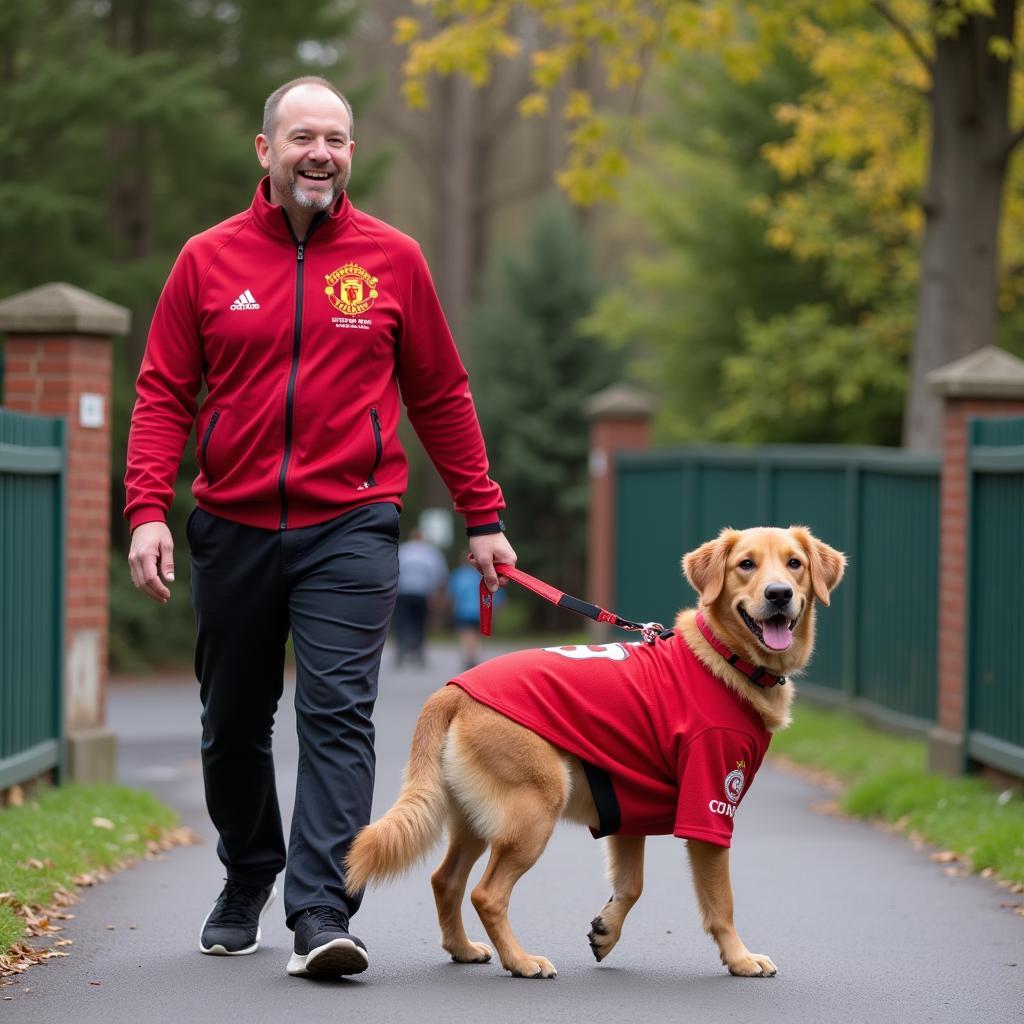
(705,567)
(826,564)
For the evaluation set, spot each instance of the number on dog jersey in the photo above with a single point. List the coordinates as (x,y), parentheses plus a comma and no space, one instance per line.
(583,652)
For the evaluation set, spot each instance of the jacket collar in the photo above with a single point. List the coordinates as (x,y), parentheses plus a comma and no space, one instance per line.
(757,674)
(271,217)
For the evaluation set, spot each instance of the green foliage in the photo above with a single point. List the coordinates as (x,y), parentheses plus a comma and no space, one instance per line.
(532,371)
(844,746)
(742,341)
(64,833)
(112,159)
(802,379)
(965,815)
(886,778)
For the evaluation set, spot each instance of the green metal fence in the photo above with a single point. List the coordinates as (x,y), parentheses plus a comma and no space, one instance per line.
(877,641)
(995,679)
(32,482)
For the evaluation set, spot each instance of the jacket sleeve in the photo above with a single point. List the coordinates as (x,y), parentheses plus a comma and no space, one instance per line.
(165,406)
(435,389)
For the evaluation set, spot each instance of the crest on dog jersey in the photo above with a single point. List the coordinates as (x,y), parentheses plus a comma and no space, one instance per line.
(735,781)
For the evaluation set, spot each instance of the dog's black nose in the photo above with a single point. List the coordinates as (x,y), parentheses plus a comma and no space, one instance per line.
(779,594)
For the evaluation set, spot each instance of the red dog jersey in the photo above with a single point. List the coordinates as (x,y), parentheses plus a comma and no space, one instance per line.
(678,747)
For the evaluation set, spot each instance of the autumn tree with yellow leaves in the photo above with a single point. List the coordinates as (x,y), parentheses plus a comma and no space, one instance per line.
(912,111)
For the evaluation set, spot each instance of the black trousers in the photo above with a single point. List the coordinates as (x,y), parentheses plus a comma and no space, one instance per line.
(333,586)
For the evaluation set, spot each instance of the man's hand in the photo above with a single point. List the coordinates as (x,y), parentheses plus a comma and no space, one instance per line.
(485,551)
(152,556)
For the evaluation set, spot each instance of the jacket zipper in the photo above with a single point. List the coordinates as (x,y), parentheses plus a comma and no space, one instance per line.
(289,401)
(206,444)
(379,446)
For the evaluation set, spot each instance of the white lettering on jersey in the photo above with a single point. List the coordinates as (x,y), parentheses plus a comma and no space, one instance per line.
(721,807)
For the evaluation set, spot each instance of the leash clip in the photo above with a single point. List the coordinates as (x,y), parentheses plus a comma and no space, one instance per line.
(650,631)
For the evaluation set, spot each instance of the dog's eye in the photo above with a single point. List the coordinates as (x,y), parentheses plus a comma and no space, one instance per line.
(795,563)
(747,563)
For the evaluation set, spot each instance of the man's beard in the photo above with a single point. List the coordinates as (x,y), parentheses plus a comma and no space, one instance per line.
(320,201)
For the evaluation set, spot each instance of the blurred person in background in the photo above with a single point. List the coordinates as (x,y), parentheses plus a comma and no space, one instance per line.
(310,323)
(422,574)
(464,594)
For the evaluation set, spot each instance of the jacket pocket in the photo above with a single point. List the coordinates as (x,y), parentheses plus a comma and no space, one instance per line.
(378,446)
(204,446)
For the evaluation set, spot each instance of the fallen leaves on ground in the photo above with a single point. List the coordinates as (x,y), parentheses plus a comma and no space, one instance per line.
(42,922)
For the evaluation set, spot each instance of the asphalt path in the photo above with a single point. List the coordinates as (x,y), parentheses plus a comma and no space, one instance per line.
(863,927)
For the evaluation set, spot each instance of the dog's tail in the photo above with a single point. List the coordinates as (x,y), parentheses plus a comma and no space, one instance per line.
(414,823)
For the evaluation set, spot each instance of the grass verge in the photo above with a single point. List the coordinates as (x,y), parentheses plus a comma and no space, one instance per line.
(63,838)
(884,777)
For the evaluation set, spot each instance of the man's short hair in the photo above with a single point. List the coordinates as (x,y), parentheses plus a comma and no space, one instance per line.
(270,107)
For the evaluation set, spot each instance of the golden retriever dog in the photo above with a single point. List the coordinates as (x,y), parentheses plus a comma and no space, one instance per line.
(488,763)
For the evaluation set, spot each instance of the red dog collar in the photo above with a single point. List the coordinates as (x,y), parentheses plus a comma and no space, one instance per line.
(757,674)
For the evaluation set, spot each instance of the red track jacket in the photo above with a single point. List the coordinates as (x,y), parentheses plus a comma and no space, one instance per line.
(304,349)
(679,747)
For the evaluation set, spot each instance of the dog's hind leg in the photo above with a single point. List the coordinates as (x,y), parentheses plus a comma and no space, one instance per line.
(530,824)
(625,857)
(449,884)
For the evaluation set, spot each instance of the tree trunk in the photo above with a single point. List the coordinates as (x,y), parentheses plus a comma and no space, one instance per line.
(956,308)
(454,226)
(131,214)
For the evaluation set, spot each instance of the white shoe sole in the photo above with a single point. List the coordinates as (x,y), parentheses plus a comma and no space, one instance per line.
(218,950)
(339,956)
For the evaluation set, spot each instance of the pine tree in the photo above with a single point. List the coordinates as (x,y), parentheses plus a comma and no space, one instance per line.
(532,371)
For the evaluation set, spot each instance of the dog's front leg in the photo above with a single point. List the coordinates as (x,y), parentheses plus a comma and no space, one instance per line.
(625,859)
(710,866)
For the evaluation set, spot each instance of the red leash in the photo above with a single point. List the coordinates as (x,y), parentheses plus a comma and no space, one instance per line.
(650,630)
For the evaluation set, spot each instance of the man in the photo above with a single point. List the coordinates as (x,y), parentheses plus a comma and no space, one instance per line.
(422,574)
(305,319)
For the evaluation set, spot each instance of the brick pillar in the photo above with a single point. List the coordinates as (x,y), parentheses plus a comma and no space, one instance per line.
(989,382)
(57,362)
(620,418)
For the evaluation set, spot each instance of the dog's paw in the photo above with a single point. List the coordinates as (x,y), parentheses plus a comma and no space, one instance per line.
(601,938)
(473,953)
(531,966)
(753,965)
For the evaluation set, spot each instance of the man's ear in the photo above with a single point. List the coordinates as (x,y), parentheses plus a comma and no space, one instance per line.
(826,564)
(705,567)
(263,150)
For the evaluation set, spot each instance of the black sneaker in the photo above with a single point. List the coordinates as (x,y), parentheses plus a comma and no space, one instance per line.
(323,946)
(232,927)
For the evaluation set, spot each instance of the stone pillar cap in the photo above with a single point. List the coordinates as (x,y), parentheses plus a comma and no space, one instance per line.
(988,373)
(60,308)
(620,402)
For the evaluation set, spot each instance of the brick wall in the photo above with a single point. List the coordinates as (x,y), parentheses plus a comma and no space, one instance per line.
(953,568)
(620,418)
(46,375)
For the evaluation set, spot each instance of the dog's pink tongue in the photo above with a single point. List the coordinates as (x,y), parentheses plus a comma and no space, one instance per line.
(776,634)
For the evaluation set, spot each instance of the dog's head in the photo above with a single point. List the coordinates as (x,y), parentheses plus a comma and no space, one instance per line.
(757,591)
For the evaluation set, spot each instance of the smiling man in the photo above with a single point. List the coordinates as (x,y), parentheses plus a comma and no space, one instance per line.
(310,323)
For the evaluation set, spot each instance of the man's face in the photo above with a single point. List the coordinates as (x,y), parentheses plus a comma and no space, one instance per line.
(309,151)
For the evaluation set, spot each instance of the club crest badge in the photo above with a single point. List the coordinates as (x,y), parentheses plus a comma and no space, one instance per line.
(734,783)
(350,289)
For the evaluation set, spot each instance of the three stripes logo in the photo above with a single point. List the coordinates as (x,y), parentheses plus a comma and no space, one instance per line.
(245,301)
